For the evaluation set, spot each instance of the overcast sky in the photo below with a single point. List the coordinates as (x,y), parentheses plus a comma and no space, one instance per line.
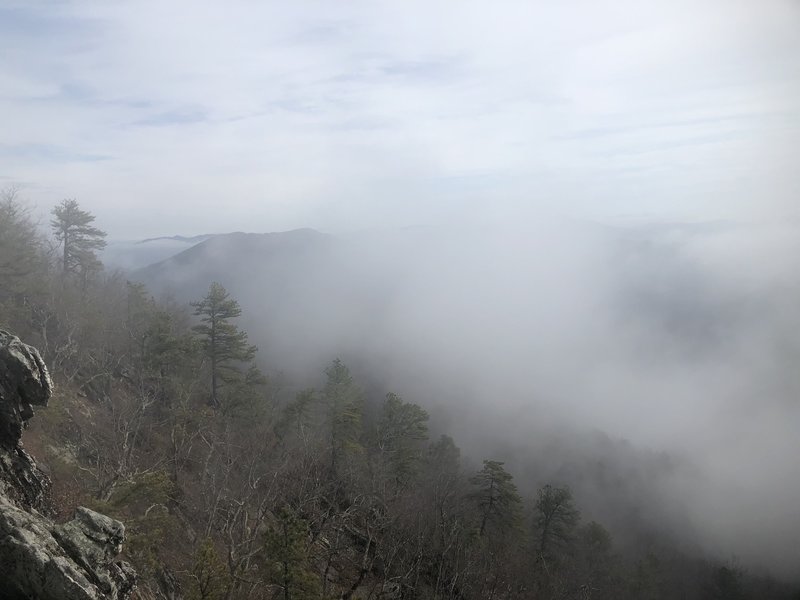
(189,117)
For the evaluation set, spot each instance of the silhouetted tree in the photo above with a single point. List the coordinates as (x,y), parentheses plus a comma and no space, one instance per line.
(79,239)
(497,498)
(556,520)
(726,584)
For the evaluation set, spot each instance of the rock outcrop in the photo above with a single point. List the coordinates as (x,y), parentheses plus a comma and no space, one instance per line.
(39,558)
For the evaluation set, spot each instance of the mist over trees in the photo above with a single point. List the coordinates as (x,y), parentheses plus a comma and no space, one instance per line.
(236,484)
(20,248)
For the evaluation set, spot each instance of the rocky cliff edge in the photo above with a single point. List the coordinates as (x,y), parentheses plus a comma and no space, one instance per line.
(39,558)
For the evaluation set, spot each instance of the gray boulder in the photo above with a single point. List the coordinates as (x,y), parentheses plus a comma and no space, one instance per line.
(38,558)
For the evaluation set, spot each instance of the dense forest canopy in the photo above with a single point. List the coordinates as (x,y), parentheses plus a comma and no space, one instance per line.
(235,482)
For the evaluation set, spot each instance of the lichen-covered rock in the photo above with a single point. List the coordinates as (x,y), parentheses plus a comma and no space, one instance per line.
(24,382)
(93,541)
(39,559)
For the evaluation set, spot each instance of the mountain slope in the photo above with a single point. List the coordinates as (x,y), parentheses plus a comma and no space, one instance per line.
(518,337)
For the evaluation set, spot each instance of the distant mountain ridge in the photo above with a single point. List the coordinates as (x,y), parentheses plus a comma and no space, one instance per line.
(317,281)
(135,254)
(144,255)
(195,239)
(220,254)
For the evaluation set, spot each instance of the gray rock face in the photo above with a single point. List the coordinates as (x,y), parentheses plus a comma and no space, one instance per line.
(24,382)
(38,558)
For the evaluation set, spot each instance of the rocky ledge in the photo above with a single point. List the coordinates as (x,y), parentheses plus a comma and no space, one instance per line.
(39,558)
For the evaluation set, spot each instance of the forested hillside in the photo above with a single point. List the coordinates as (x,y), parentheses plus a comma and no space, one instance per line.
(233,483)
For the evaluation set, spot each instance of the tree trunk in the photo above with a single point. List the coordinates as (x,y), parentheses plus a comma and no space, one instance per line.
(214,400)
(66,252)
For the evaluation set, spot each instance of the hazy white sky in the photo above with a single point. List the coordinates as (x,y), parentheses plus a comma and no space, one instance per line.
(193,116)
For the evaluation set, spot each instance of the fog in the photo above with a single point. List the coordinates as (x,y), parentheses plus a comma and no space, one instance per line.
(651,367)
(564,228)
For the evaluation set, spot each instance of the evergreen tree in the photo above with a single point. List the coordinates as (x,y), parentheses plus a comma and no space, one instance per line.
(79,239)
(246,399)
(209,579)
(298,415)
(21,262)
(556,521)
(345,404)
(157,343)
(286,547)
(445,456)
(443,471)
(19,244)
(401,429)
(726,584)
(223,343)
(497,498)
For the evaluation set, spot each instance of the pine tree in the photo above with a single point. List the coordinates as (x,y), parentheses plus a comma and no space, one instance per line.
(445,455)
(286,548)
(223,343)
(726,584)
(443,468)
(401,429)
(298,415)
(344,404)
(79,239)
(497,498)
(157,344)
(19,243)
(22,266)
(556,521)
(209,578)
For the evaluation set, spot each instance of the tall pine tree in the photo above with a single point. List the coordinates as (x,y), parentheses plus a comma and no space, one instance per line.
(497,498)
(401,431)
(344,404)
(79,239)
(223,343)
